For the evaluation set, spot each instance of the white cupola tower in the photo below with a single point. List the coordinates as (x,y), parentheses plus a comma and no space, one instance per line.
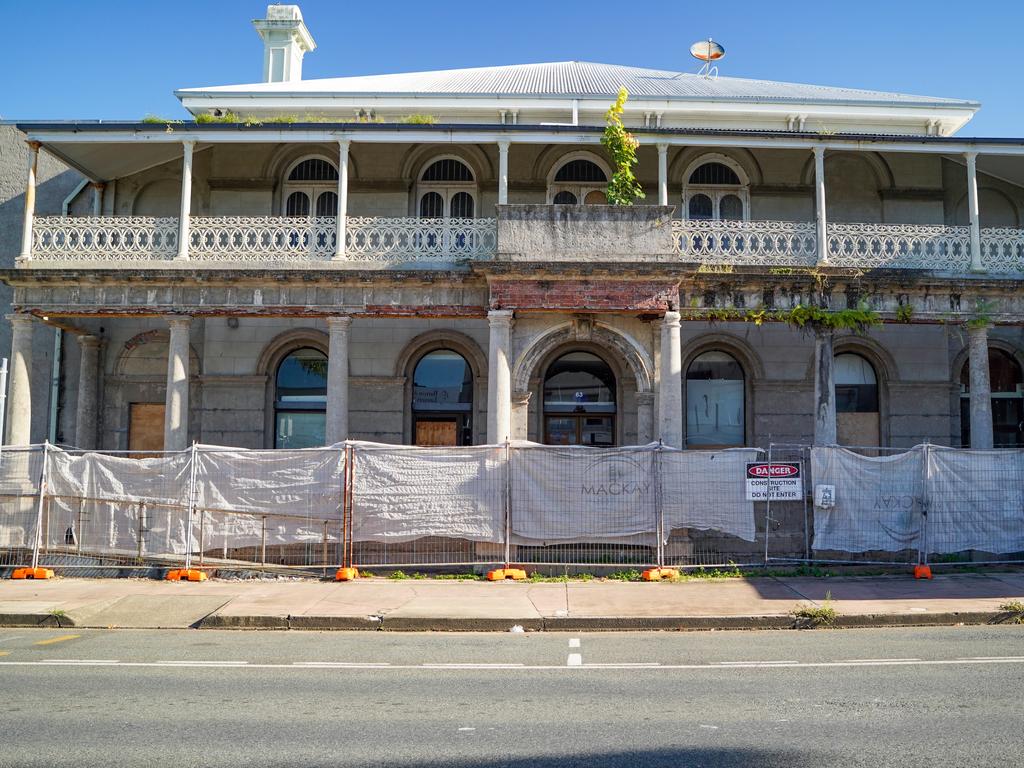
(285,41)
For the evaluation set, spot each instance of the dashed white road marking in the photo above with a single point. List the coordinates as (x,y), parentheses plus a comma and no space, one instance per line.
(204,663)
(624,664)
(342,664)
(9,639)
(574,660)
(574,642)
(467,729)
(872,661)
(757,662)
(83,661)
(711,727)
(990,658)
(475,665)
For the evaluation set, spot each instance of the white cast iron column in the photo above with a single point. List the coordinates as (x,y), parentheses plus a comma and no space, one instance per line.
(663,174)
(337,379)
(30,202)
(342,222)
(186,199)
(88,386)
(19,392)
(819,204)
(97,197)
(671,389)
(502,173)
(973,212)
(499,378)
(981,388)
(176,409)
(824,389)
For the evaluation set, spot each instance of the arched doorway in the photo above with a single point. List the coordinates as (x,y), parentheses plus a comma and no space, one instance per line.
(442,400)
(311,189)
(446,190)
(300,400)
(578,180)
(579,401)
(715,402)
(1007,383)
(857,411)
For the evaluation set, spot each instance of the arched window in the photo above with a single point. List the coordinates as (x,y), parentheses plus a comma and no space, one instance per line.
(446,190)
(311,188)
(715,415)
(579,401)
(716,188)
(300,399)
(1007,383)
(579,179)
(857,418)
(442,399)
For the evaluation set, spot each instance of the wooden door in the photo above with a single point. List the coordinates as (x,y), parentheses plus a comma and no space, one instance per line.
(146,427)
(437,433)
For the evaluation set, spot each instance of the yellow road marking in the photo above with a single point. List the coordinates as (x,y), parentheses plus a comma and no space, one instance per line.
(53,640)
(5,653)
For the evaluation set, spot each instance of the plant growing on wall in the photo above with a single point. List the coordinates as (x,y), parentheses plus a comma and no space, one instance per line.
(623,188)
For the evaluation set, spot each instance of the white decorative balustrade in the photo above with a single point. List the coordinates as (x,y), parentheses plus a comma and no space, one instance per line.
(1002,249)
(104,238)
(900,246)
(758,243)
(256,239)
(409,239)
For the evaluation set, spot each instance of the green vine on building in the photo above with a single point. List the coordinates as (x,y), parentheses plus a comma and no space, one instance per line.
(623,189)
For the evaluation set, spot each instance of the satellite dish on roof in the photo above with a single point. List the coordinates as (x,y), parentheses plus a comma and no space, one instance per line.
(707,51)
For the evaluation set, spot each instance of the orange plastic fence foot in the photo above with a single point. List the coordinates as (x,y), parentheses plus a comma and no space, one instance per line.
(32,573)
(500,574)
(922,571)
(660,574)
(346,574)
(186,574)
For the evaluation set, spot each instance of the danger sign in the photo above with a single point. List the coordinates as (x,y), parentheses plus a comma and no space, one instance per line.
(786,481)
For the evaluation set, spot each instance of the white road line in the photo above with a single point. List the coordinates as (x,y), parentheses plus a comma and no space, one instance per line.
(990,658)
(574,660)
(624,665)
(757,662)
(574,642)
(9,639)
(341,663)
(870,661)
(83,661)
(690,667)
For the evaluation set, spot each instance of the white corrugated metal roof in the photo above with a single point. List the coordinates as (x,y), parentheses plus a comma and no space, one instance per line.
(583,79)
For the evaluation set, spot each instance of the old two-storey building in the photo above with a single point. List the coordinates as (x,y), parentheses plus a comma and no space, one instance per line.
(428,258)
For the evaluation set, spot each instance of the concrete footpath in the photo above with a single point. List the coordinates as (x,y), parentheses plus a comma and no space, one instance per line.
(416,605)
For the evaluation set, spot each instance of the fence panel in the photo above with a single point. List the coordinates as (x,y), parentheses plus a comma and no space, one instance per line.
(20,473)
(975,505)
(428,506)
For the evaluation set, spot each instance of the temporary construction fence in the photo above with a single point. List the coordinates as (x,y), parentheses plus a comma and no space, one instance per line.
(374,505)
(926,504)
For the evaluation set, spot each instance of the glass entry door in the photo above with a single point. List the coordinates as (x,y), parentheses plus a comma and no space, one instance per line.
(597,431)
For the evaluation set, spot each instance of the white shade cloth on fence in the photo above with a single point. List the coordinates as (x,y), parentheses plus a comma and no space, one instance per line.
(975,500)
(706,490)
(877,500)
(404,493)
(20,471)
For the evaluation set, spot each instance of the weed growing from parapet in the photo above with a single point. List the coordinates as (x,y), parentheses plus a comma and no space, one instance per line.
(1014,610)
(812,616)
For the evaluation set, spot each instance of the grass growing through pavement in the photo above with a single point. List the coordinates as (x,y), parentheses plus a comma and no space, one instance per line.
(1015,609)
(811,616)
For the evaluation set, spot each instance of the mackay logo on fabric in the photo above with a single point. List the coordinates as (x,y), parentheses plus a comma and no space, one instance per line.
(616,476)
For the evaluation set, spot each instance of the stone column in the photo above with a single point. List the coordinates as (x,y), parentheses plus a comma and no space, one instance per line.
(644,417)
(521,414)
(499,378)
(19,388)
(185,210)
(656,357)
(824,389)
(341,225)
(97,197)
(30,202)
(176,409)
(88,387)
(819,204)
(974,212)
(337,379)
(671,389)
(503,173)
(663,174)
(982,436)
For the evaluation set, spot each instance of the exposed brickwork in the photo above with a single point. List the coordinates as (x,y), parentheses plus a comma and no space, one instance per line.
(585,295)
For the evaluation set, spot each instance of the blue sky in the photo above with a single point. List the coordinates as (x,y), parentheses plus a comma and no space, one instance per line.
(121,59)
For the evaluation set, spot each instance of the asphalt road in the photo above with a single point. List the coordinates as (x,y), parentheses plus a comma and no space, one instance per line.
(896,697)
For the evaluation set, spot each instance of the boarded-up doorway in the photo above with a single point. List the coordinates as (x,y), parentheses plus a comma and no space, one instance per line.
(146,427)
(436,432)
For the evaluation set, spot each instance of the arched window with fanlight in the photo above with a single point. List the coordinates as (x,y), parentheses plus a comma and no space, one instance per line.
(442,399)
(579,401)
(715,402)
(300,399)
(716,188)
(578,179)
(1006,381)
(311,189)
(446,189)
(857,409)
